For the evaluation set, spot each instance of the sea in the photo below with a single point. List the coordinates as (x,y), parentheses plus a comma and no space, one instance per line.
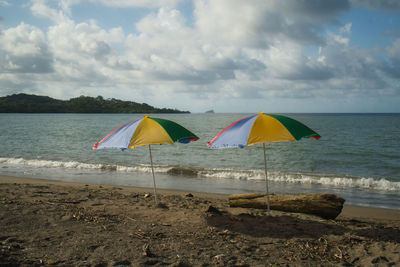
(357,157)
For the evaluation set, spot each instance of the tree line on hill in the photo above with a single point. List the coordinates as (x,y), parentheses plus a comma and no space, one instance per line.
(25,103)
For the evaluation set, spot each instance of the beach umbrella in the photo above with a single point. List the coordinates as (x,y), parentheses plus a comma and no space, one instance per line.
(261,128)
(145,132)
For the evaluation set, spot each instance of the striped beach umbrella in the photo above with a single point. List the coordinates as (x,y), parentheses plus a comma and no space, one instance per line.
(145,132)
(261,128)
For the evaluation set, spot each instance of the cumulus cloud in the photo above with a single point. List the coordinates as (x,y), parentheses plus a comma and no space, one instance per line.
(86,57)
(261,23)
(287,62)
(40,8)
(23,49)
(188,56)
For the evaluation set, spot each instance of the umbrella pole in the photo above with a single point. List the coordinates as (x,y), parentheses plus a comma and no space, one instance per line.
(154,179)
(266,180)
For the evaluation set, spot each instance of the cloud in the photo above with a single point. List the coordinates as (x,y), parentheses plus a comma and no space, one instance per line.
(83,40)
(346,29)
(187,57)
(166,21)
(40,8)
(138,3)
(393,51)
(356,71)
(390,5)
(287,62)
(344,59)
(4,3)
(23,49)
(392,66)
(313,10)
(261,23)
(86,57)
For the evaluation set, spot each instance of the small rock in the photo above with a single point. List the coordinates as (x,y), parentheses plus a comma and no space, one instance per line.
(355,260)
(189,195)
(182,171)
(147,195)
(162,206)
(179,264)
(66,218)
(212,209)
(122,263)
(146,251)
(151,262)
(379,259)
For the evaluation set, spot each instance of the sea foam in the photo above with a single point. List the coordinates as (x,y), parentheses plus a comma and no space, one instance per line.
(330,180)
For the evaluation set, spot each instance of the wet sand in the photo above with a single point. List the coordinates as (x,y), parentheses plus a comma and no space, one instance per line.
(70,224)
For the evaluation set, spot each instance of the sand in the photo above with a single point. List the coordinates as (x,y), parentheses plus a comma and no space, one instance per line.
(71,224)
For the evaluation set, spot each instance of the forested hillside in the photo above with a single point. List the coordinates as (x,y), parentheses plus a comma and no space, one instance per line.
(24,103)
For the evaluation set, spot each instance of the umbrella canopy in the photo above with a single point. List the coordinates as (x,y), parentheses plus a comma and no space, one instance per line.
(261,128)
(146,131)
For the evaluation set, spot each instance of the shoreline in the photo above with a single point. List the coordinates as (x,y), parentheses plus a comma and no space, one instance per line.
(348,210)
(359,191)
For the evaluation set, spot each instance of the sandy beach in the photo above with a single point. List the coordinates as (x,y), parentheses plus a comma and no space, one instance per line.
(70,224)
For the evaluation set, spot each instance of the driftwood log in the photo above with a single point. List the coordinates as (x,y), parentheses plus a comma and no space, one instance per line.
(327,206)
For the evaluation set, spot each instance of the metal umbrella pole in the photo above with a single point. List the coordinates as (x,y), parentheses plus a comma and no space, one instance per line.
(266,180)
(154,179)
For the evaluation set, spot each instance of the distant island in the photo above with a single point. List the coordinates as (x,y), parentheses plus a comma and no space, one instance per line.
(210,111)
(25,103)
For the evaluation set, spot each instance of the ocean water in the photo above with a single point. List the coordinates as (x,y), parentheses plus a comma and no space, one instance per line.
(357,158)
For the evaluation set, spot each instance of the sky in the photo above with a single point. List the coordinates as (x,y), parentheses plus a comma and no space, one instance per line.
(276,56)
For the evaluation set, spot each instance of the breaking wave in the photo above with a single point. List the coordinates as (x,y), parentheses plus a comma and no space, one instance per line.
(331,180)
